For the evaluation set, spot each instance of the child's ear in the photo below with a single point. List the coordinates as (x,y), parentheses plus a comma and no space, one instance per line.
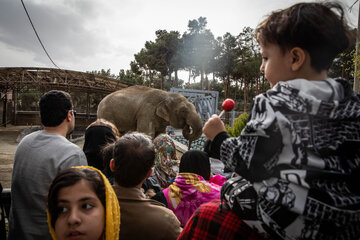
(298,56)
(112,165)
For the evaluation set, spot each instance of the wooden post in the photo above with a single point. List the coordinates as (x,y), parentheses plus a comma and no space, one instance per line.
(4,109)
(357,67)
(87,108)
(15,105)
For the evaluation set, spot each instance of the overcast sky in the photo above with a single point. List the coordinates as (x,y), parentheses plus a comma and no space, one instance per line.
(85,35)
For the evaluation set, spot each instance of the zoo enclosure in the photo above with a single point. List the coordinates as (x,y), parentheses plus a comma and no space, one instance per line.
(86,89)
(14,81)
(205,102)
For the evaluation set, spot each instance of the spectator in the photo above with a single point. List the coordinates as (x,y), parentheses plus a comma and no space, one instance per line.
(107,154)
(141,218)
(298,155)
(97,135)
(193,186)
(38,158)
(210,222)
(82,204)
(166,163)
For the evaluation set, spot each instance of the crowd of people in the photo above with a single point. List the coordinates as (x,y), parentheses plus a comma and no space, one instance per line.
(291,174)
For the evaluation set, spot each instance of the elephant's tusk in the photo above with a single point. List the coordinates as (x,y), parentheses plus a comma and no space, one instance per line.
(190,130)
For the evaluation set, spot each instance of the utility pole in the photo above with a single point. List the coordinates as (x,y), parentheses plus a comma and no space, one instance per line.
(357,58)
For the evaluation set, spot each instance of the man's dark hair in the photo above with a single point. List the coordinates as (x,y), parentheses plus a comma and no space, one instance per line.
(70,177)
(134,156)
(314,27)
(54,107)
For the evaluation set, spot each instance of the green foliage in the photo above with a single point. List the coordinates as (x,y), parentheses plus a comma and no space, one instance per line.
(162,56)
(28,99)
(228,64)
(198,48)
(103,73)
(130,76)
(356,60)
(344,64)
(239,124)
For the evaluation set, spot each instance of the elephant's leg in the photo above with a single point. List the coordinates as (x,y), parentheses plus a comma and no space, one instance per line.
(160,130)
(146,126)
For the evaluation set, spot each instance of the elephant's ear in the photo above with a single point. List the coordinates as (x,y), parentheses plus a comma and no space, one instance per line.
(162,111)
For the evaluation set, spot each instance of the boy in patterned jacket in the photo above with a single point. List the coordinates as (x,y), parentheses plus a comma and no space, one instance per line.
(299,154)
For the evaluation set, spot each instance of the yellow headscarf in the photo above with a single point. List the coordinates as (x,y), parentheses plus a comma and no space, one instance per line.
(112,220)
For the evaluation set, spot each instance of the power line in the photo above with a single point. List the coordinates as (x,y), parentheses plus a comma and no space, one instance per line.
(350,8)
(37,35)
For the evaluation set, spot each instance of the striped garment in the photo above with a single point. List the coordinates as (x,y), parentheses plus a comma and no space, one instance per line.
(300,152)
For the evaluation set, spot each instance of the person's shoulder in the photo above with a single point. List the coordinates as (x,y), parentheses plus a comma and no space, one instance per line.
(30,136)
(68,146)
(64,142)
(156,203)
(160,208)
(165,217)
(72,153)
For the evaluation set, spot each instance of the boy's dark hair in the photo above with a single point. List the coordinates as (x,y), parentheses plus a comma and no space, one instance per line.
(107,153)
(134,156)
(195,161)
(314,27)
(54,107)
(69,177)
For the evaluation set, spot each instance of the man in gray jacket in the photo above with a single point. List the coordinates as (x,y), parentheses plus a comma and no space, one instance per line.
(38,158)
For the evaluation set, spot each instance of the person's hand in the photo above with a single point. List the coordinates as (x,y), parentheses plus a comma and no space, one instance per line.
(213,127)
(150,193)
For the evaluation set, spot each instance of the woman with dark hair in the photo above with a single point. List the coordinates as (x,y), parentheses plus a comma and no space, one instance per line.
(192,186)
(98,135)
(82,204)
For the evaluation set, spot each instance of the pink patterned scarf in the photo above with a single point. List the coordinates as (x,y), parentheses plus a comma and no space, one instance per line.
(187,193)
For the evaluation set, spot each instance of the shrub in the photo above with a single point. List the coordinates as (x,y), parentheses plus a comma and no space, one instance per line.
(239,124)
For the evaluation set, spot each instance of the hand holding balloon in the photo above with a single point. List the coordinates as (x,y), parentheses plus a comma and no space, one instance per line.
(227,105)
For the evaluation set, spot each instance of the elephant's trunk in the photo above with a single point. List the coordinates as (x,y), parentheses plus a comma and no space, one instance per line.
(193,129)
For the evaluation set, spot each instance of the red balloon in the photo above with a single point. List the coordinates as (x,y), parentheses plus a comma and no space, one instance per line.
(228,104)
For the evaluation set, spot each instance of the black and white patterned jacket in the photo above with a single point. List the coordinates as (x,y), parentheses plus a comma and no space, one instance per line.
(300,151)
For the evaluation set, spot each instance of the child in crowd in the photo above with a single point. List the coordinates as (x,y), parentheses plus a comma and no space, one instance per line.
(299,154)
(192,187)
(82,204)
(141,218)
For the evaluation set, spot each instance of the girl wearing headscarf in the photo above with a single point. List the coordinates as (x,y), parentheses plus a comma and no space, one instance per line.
(82,204)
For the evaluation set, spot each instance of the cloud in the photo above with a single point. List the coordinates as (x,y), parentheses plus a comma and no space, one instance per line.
(64,30)
(87,35)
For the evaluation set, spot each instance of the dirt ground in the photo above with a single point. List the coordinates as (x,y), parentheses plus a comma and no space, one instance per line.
(8,144)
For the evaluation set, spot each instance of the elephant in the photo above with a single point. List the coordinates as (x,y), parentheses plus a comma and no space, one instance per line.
(149,110)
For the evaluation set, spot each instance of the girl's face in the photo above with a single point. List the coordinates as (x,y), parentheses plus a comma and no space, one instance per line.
(81,214)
